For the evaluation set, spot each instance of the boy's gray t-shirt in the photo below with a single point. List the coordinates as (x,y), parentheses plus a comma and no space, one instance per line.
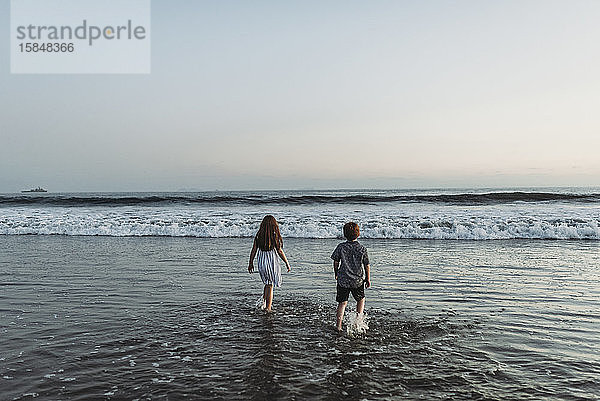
(352,257)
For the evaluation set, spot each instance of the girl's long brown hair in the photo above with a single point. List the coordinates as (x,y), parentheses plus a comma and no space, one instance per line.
(268,236)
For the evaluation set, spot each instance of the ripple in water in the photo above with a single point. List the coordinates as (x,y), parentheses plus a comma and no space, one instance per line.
(224,352)
(111,318)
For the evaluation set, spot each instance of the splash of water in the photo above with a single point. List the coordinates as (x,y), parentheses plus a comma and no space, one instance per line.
(261,303)
(357,324)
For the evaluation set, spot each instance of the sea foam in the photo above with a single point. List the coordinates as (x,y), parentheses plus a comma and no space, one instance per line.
(460,225)
(559,215)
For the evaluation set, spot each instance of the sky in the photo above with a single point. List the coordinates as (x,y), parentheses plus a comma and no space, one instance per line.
(255,95)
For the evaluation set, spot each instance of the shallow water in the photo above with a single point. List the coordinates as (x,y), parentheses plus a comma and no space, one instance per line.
(166,318)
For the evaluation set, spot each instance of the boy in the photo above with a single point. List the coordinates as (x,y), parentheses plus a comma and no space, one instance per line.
(349,258)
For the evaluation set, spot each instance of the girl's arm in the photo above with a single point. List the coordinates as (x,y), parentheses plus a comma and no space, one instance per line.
(282,256)
(252,255)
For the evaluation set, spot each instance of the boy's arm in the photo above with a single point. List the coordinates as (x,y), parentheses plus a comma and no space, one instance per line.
(282,256)
(367,276)
(252,255)
(336,267)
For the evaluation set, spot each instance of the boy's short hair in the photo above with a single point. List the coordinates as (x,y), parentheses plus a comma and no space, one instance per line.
(351,231)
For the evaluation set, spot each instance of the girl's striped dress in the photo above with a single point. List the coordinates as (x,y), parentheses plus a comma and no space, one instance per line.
(268,267)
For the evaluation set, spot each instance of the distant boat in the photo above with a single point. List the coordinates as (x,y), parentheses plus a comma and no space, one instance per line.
(38,189)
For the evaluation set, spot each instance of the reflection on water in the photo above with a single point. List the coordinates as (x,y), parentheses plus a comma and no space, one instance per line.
(135,318)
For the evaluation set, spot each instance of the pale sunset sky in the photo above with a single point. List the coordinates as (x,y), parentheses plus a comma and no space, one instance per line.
(321,94)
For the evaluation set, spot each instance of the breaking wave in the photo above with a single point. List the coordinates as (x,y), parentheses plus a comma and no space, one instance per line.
(291,198)
(448,228)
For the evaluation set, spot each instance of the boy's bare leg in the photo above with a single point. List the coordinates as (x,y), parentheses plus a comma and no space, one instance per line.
(340,314)
(268,295)
(360,306)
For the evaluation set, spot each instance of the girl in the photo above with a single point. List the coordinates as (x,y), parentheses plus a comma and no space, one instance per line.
(267,245)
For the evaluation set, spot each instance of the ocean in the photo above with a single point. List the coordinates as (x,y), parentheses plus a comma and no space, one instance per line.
(477,294)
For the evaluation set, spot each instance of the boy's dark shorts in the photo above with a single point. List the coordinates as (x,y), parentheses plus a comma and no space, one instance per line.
(342,293)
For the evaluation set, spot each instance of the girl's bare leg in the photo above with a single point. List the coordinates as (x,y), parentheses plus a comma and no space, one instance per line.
(340,314)
(264,302)
(268,296)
